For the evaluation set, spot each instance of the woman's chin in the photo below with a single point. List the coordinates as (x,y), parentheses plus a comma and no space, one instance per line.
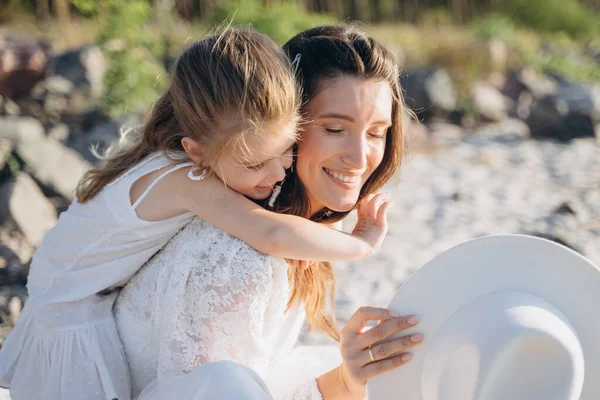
(344,206)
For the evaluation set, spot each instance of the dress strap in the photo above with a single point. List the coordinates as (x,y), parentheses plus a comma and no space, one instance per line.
(168,171)
(135,168)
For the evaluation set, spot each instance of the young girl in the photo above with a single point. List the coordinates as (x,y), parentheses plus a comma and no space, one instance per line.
(229,117)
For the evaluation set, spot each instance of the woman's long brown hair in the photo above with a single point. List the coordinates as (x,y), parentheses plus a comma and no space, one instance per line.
(325,53)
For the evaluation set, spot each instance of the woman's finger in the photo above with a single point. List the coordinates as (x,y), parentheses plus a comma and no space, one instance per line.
(378,367)
(363,315)
(363,205)
(385,329)
(384,350)
(382,213)
(375,203)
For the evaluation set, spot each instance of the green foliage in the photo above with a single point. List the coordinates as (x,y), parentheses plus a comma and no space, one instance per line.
(496,26)
(134,76)
(435,17)
(86,7)
(280,21)
(569,16)
(554,52)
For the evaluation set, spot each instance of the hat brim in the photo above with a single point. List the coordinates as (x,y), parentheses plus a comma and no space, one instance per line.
(560,276)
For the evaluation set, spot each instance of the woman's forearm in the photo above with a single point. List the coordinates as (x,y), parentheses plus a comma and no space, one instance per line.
(333,386)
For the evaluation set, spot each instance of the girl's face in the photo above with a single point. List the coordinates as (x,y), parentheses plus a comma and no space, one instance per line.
(262,165)
(343,141)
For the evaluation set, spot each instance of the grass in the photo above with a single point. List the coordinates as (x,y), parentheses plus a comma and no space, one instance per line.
(462,49)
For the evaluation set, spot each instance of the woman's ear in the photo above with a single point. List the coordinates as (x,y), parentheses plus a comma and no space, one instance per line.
(192,149)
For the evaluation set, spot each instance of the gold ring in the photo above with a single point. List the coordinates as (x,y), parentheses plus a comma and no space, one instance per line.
(371,354)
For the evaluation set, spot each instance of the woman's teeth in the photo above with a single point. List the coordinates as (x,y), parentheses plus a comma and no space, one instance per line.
(343,178)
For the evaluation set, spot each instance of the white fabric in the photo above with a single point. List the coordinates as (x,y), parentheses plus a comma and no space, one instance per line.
(65,343)
(504,317)
(213,380)
(205,297)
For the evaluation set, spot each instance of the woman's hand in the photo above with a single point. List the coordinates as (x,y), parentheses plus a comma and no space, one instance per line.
(358,366)
(372,220)
(371,226)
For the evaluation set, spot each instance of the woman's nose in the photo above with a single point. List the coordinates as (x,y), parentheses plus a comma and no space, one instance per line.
(355,155)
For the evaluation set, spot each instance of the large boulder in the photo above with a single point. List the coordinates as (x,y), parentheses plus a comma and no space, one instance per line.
(552,118)
(23,204)
(430,93)
(50,162)
(489,103)
(23,63)
(74,85)
(553,107)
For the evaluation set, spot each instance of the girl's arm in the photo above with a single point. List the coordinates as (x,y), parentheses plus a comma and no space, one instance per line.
(282,235)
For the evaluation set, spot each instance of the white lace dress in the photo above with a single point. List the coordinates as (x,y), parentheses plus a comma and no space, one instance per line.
(208,296)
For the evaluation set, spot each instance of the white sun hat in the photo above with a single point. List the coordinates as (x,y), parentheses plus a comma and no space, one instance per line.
(504,317)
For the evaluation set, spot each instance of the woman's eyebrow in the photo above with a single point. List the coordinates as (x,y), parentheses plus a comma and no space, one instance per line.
(385,122)
(336,116)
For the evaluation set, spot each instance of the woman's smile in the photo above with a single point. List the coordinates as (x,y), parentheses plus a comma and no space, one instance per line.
(346,179)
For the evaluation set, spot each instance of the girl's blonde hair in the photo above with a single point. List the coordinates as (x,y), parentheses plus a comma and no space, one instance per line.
(223,88)
(325,53)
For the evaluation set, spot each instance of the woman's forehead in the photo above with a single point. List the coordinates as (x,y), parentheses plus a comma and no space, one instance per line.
(352,96)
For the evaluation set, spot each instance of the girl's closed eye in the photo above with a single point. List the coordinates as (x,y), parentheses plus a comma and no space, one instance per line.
(256,167)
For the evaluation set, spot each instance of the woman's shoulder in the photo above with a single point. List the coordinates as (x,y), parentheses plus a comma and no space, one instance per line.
(216,245)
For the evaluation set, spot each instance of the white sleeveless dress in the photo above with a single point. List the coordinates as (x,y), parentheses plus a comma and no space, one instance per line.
(65,343)
(207,297)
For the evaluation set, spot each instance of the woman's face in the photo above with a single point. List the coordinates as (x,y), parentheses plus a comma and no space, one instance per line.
(343,141)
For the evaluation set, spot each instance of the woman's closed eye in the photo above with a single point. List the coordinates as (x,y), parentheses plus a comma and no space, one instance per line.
(334,131)
(377,134)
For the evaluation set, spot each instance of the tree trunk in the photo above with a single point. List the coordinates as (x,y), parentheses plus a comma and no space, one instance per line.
(61,8)
(42,10)
(376,12)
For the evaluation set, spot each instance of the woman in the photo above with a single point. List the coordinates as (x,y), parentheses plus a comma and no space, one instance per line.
(208,297)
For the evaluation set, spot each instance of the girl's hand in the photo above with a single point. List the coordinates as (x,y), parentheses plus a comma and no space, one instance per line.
(372,220)
(357,365)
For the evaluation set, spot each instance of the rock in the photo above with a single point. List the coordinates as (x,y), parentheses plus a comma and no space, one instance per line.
(445,134)
(22,202)
(11,108)
(12,271)
(23,63)
(59,85)
(551,118)
(6,149)
(84,66)
(508,130)
(15,305)
(429,92)
(498,55)
(528,80)
(489,102)
(577,97)
(50,162)
(59,133)
(99,138)
(441,91)
(595,93)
